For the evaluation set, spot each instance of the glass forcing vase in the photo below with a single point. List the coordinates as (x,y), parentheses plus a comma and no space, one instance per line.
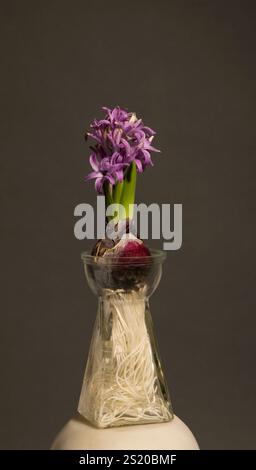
(124,382)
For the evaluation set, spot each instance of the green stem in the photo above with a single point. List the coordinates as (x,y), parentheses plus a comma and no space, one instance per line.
(129,188)
(122,193)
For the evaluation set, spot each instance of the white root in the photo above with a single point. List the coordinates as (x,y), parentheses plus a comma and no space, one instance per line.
(121,384)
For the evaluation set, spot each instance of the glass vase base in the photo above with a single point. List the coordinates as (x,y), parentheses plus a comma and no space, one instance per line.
(124,382)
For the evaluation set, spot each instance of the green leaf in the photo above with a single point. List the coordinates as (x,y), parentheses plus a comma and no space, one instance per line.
(117,191)
(107,188)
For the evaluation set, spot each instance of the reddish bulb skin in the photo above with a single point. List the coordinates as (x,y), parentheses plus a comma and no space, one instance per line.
(130,263)
(122,250)
(134,249)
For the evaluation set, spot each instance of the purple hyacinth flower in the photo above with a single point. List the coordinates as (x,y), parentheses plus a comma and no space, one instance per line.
(119,139)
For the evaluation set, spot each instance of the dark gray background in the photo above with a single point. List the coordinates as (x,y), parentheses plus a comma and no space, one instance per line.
(187,67)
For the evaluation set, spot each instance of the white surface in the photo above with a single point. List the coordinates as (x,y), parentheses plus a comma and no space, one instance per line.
(78,434)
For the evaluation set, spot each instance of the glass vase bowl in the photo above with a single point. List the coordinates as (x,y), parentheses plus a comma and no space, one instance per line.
(124,382)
